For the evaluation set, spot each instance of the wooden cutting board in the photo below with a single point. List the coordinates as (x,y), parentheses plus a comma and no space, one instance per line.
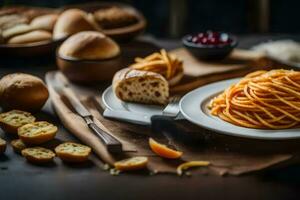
(200,145)
(198,72)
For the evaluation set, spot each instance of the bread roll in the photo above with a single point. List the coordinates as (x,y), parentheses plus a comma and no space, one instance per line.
(44,22)
(72,21)
(23,92)
(31,37)
(11,20)
(140,86)
(89,45)
(16,30)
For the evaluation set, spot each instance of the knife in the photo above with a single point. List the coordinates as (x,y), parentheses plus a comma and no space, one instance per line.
(111,143)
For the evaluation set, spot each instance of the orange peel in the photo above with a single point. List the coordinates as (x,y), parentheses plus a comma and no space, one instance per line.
(164,151)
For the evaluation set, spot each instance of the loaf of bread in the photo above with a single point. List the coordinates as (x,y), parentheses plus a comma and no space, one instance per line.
(31,37)
(89,45)
(44,22)
(12,120)
(23,92)
(37,132)
(10,20)
(72,21)
(38,155)
(72,152)
(16,30)
(141,86)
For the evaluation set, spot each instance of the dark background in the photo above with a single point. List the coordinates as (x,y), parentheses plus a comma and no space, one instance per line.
(236,16)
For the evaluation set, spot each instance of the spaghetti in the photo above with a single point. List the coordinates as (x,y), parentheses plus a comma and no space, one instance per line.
(262,99)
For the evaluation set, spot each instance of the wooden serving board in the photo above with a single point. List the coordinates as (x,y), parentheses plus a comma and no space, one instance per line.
(228,155)
(198,72)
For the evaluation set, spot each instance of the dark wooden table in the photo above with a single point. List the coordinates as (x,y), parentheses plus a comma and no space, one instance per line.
(21,180)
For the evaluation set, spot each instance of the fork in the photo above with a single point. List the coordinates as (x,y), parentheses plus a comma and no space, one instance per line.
(172,109)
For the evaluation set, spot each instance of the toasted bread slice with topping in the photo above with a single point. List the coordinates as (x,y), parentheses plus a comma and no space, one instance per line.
(18,145)
(73,152)
(134,163)
(37,132)
(12,120)
(2,145)
(38,155)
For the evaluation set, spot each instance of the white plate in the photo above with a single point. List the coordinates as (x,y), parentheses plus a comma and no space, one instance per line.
(140,110)
(194,108)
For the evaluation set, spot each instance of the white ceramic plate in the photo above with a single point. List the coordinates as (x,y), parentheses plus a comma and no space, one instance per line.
(194,108)
(112,102)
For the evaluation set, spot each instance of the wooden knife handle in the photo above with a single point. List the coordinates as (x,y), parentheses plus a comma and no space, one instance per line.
(112,144)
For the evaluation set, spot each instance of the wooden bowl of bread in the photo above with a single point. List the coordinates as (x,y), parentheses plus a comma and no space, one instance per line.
(28,31)
(119,21)
(89,56)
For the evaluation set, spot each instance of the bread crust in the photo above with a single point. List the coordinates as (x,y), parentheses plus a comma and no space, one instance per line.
(9,126)
(70,22)
(89,45)
(23,92)
(2,146)
(73,152)
(38,155)
(30,135)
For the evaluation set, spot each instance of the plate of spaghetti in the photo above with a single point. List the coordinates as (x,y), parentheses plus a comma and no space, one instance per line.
(261,105)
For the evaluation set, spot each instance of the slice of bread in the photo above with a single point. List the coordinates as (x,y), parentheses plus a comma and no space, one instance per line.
(18,145)
(72,152)
(2,145)
(12,120)
(141,86)
(134,163)
(37,132)
(38,155)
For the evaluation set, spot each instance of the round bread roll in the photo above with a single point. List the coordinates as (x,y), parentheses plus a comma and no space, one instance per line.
(89,45)
(23,92)
(44,22)
(72,21)
(16,30)
(31,37)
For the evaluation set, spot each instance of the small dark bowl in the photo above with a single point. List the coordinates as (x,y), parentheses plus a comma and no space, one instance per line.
(210,52)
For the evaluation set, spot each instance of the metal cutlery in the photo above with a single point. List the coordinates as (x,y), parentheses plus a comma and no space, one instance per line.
(172,109)
(111,143)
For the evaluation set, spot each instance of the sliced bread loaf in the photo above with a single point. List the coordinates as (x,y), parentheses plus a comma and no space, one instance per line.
(141,86)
